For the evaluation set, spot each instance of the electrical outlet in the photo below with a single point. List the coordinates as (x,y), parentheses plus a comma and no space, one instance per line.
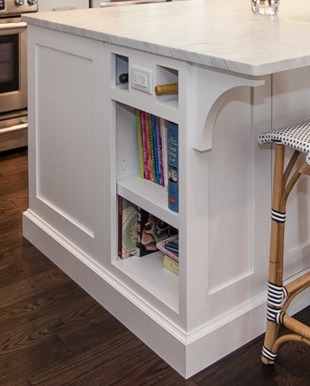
(141,79)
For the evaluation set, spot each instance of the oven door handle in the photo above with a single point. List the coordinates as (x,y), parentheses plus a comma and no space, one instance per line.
(10,129)
(64,8)
(104,4)
(7,26)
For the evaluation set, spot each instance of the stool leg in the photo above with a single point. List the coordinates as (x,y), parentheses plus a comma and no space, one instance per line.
(282,186)
(275,255)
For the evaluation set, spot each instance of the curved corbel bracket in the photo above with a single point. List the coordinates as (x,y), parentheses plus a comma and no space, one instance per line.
(209,90)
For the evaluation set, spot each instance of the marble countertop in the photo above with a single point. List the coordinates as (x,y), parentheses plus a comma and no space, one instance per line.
(224,34)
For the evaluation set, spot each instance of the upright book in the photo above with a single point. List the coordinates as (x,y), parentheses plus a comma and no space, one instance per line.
(173,166)
(163,150)
(127,228)
(152,147)
(140,145)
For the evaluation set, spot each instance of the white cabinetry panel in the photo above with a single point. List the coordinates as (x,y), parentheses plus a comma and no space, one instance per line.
(63,180)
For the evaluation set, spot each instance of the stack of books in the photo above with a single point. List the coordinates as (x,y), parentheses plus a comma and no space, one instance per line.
(170,249)
(152,145)
(139,232)
(159,153)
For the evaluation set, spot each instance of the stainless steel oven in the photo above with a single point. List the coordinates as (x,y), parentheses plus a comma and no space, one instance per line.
(13,76)
(13,72)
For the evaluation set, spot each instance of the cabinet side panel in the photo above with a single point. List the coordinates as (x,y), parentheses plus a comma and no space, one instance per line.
(227,212)
(230,194)
(67,174)
(64,132)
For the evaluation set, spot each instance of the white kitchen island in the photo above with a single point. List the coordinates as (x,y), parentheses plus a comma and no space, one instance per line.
(238,75)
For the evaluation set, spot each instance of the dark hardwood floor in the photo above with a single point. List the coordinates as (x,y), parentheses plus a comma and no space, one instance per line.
(53,333)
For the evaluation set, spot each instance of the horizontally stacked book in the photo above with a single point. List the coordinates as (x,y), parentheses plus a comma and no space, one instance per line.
(141,233)
(158,153)
(170,248)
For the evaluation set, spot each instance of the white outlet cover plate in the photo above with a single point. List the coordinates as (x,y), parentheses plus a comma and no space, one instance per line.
(141,79)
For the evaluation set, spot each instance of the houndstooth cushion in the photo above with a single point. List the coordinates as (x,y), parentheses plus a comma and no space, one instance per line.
(296,136)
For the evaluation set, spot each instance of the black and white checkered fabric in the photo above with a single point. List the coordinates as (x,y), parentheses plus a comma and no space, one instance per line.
(296,136)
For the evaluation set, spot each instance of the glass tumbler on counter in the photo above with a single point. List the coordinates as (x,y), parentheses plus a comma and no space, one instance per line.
(265,7)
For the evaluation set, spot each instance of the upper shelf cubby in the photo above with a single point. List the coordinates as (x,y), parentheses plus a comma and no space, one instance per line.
(167,81)
(121,71)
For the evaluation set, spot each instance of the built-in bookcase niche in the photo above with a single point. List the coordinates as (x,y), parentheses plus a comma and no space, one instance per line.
(164,76)
(120,70)
(148,271)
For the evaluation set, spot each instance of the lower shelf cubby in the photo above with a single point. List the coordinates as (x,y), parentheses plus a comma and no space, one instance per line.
(150,274)
(147,252)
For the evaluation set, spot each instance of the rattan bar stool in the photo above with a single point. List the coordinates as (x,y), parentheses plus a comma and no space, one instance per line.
(279,297)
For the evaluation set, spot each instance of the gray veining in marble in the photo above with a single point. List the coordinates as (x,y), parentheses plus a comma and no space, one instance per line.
(218,33)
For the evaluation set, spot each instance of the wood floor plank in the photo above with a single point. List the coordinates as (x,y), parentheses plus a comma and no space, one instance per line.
(41,318)
(10,206)
(12,294)
(53,279)
(104,328)
(12,182)
(127,362)
(18,299)
(17,367)
(20,262)
(295,359)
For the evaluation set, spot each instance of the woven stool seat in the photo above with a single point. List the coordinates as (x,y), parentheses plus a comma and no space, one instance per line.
(296,136)
(285,177)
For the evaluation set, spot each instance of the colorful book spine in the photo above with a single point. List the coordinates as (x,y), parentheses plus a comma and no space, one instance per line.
(155,140)
(148,146)
(158,155)
(140,146)
(152,148)
(144,144)
(156,152)
(173,166)
(163,159)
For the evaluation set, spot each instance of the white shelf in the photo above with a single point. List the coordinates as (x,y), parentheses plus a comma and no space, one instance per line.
(149,273)
(150,196)
(168,102)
